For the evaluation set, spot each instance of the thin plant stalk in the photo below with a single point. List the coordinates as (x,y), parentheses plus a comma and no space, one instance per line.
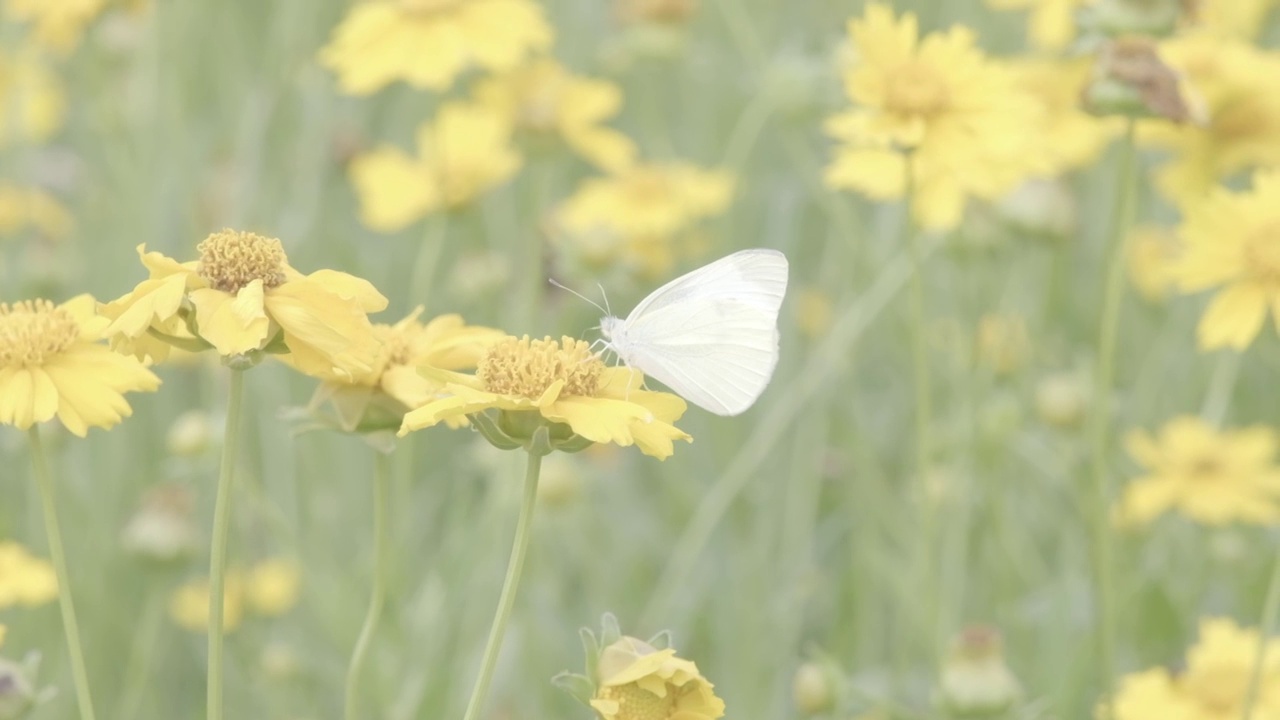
(428,259)
(71,627)
(378,593)
(1266,626)
(1100,423)
(507,598)
(218,549)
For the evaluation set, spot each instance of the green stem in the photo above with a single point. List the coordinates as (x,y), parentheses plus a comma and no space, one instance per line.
(218,550)
(1221,386)
(1100,425)
(1270,608)
(378,594)
(508,597)
(72,628)
(429,252)
(137,676)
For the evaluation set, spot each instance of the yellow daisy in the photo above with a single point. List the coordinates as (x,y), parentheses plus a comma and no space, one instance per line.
(1232,18)
(1239,86)
(428,43)
(1147,695)
(57,24)
(561,385)
(1232,242)
(1078,138)
(33,102)
(639,682)
(1052,23)
(466,152)
(52,363)
(33,209)
(189,604)
(543,98)
(25,580)
(1212,477)
(272,587)
(960,120)
(635,216)
(267,589)
(379,398)
(1152,252)
(243,298)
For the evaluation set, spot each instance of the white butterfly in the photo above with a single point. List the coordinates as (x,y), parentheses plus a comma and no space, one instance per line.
(710,335)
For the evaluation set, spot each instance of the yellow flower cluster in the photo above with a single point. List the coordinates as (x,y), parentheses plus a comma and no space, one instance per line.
(639,682)
(270,588)
(1213,685)
(56,24)
(1212,477)
(25,580)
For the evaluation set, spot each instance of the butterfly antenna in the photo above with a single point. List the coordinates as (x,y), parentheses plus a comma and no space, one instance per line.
(604,310)
(605,295)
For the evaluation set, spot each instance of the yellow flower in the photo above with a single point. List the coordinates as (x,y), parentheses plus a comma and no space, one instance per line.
(52,363)
(1151,254)
(1003,345)
(814,313)
(466,152)
(1147,695)
(242,297)
(639,682)
(561,384)
(189,604)
(380,397)
(24,579)
(1232,242)
(33,102)
(1239,87)
(1212,477)
(1052,24)
(544,98)
(23,209)
(1232,18)
(3,631)
(272,587)
(1057,85)
(635,215)
(57,24)
(428,43)
(938,102)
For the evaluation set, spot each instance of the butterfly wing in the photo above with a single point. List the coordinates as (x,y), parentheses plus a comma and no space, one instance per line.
(712,335)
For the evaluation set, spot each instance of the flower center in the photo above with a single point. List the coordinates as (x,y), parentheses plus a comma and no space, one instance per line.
(32,331)
(649,186)
(526,368)
(636,703)
(232,259)
(425,7)
(395,344)
(916,89)
(1262,254)
(1239,118)
(1206,469)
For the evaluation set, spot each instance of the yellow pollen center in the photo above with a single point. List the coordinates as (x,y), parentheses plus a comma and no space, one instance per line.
(232,259)
(1206,468)
(1239,119)
(636,703)
(33,331)
(916,89)
(649,186)
(395,345)
(526,368)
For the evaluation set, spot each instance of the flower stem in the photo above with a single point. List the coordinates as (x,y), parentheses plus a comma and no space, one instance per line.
(218,550)
(429,252)
(1266,626)
(72,628)
(507,599)
(1100,425)
(377,596)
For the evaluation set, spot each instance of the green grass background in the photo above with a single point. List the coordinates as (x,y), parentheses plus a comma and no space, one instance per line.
(786,533)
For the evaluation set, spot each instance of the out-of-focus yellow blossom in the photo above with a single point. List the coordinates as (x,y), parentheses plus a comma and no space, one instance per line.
(428,43)
(1214,685)
(25,580)
(1232,18)
(814,313)
(242,297)
(33,102)
(636,681)
(1076,137)
(379,398)
(543,98)
(1232,242)
(561,385)
(52,363)
(466,152)
(1051,24)
(1212,477)
(635,215)
(29,208)
(1003,345)
(269,589)
(1152,252)
(976,681)
(1239,86)
(960,119)
(56,24)
(3,631)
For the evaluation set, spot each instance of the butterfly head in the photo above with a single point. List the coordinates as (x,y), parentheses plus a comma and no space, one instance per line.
(610,326)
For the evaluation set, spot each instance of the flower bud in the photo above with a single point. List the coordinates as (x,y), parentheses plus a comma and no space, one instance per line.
(813,689)
(1003,344)
(190,434)
(1130,78)
(163,529)
(1061,400)
(976,683)
(1040,208)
